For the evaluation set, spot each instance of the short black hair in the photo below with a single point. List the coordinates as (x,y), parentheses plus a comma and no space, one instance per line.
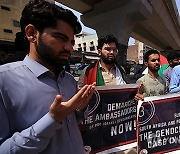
(43,14)
(105,40)
(150,52)
(172,55)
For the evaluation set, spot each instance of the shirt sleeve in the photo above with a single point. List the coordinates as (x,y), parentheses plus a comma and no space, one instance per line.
(31,140)
(174,83)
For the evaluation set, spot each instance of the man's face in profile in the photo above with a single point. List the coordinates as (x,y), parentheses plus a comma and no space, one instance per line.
(55,45)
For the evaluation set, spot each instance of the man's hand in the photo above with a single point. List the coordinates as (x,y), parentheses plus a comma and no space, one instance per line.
(87,95)
(139,97)
(59,109)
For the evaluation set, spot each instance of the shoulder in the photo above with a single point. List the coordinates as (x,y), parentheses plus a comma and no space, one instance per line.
(162,78)
(176,68)
(10,73)
(9,67)
(69,76)
(142,78)
(121,68)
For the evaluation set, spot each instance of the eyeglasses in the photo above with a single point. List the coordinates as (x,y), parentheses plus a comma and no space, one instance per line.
(111,49)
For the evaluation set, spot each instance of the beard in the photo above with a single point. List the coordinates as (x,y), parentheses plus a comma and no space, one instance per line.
(106,60)
(47,55)
(154,69)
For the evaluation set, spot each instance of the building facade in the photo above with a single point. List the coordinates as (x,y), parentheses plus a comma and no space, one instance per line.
(86,44)
(135,52)
(10,14)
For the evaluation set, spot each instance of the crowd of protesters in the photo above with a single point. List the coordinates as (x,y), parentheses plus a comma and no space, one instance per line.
(40,84)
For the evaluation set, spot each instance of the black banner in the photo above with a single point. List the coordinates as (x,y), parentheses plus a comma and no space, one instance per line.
(111,120)
(159,124)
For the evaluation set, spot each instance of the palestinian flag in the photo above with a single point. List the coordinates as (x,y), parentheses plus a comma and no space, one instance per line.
(164,65)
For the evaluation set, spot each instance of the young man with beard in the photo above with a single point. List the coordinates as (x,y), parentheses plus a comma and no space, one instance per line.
(38,99)
(151,84)
(104,71)
(174,86)
(173,60)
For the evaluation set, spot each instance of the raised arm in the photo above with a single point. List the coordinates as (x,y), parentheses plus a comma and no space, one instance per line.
(35,139)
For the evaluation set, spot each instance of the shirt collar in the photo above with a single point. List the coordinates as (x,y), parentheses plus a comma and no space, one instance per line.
(34,66)
(39,69)
(100,66)
(153,76)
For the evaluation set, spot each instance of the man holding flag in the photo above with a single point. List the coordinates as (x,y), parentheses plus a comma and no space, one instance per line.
(104,71)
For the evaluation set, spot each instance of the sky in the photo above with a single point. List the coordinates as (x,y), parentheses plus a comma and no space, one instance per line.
(178,5)
(92,31)
(85,29)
